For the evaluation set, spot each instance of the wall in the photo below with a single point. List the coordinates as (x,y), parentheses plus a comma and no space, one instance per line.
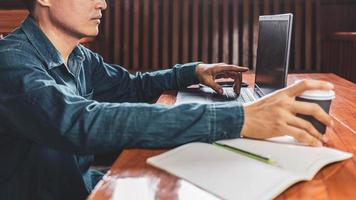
(338,34)
(155,34)
(10,19)
(337,16)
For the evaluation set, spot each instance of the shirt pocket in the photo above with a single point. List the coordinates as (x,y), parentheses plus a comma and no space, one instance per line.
(88,95)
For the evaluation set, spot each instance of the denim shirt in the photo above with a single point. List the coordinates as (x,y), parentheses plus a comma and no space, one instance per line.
(54,118)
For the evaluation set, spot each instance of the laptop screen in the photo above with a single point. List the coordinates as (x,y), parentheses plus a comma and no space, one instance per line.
(272,53)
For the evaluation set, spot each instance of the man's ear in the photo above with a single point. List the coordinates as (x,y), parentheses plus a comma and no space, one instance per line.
(44,3)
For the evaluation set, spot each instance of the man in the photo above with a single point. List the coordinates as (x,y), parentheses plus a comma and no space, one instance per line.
(60,104)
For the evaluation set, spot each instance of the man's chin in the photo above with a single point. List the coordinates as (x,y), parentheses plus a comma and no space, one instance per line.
(90,33)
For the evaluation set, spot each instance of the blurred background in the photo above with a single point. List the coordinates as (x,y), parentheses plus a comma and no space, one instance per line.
(146,35)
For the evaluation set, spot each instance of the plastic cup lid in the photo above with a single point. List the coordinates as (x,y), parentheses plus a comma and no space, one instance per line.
(318,94)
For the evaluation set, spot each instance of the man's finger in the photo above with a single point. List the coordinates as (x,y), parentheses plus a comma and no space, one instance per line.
(237,83)
(215,86)
(232,68)
(305,125)
(228,74)
(312,109)
(298,88)
(302,136)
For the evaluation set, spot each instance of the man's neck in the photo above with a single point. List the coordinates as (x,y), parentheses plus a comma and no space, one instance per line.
(61,41)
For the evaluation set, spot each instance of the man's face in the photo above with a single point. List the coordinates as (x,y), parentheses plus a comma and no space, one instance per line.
(78,18)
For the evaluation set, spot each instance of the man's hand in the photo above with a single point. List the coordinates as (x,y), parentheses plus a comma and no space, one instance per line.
(275,115)
(207,73)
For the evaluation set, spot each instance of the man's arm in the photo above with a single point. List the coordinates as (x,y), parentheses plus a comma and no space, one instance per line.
(37,109)
(113,83)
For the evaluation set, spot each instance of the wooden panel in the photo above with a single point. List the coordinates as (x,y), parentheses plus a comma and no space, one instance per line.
(186,32)
(127,33)
(276,6)
(156,34)
(266,7)
(205,30)
(236,34)
(146,35)
(164,37)
(337,17)
(246,33)
(11,19)
(195,43)
(215,32)
(308,35)
(256,14)
(225,35)
(339,55)
(287,6)
(176,30)
(118,21)
(298,34)
(136,34)
(11,4)
(318,35)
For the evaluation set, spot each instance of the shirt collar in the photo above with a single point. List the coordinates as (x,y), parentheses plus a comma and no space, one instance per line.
(44,46)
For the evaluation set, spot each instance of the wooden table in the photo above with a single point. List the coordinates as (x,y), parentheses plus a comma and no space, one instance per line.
(131,178)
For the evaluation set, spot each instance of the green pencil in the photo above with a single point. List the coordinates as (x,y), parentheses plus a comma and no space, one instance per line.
(246,153)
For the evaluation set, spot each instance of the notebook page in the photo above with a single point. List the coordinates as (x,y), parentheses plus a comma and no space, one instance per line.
(223,173)
(303,160)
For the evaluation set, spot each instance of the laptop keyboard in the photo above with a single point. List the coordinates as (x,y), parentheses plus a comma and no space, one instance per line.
(230,95)
(246,96)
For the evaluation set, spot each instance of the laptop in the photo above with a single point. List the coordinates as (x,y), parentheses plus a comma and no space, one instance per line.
(273,49)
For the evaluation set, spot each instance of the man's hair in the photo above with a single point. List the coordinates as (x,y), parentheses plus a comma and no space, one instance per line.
(30,4)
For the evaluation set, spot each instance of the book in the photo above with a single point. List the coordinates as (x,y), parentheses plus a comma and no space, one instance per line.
(233,175)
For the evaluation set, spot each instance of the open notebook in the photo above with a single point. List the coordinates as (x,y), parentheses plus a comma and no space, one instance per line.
(231,175)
